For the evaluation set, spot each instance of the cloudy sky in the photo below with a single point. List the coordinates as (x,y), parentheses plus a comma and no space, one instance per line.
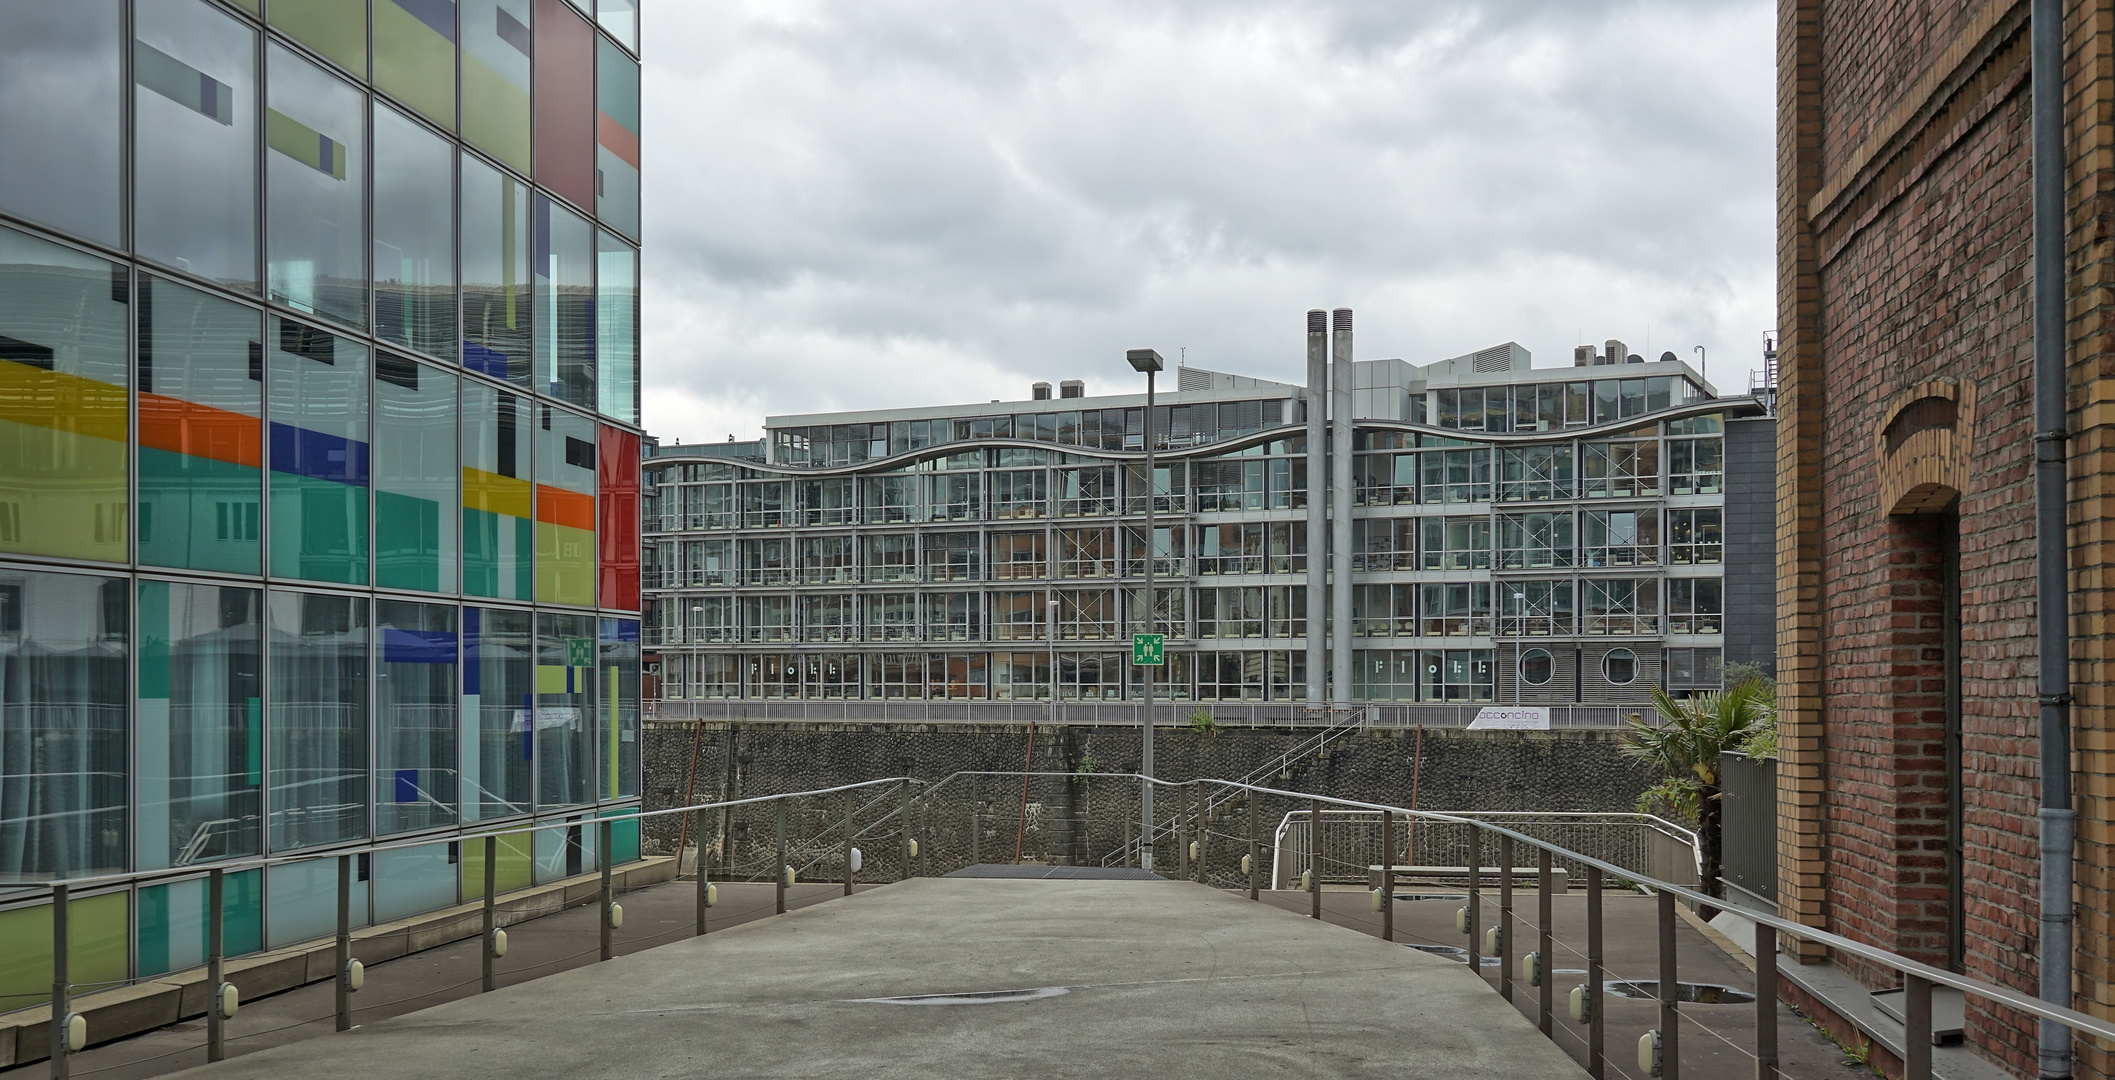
(880,203)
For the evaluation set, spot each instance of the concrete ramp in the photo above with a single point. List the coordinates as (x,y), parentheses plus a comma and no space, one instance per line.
(968,978)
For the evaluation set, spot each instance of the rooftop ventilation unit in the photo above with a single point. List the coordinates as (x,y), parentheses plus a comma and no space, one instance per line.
(1072,388)
(1041,391)
(1616,351)
(1584,356)
(1497,358)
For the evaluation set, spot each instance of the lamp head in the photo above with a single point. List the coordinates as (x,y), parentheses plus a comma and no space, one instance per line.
(1144,360)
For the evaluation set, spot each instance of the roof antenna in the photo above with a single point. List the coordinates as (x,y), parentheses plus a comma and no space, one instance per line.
(1182,356)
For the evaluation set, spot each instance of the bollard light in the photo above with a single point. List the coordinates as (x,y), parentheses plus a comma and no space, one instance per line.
(229,999)
(1493,941)
(1531,968)
(789,877)
(1196,850)
(1582,1004)
(859,859)
(1248,864)
(616,916)
(1461,920)
(355,975)
(1379,900)
(1649,1053)
(712,896)
(914,849)
(1307,881)
(76,1033)
(499,943)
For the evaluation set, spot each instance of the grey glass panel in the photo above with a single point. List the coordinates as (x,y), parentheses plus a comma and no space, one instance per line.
(496,275)
(414,236)
(616,138)
(200,726)
(316,187)
(62,724)
(415,476)
(565,700)
(565,304)
(416,716)
(621,19)
(195,159)
(318,727)
(499,698)
(301,902)
(617,328)
(61,115)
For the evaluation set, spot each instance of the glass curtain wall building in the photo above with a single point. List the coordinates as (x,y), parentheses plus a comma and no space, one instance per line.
(319,363)
(1533,535)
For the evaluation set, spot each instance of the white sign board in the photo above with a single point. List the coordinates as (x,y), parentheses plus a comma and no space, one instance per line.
(1511,718)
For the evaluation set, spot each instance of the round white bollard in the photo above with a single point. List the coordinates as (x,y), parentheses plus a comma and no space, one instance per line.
(914,849)
(1380,899)
(1649,1053)
(1582,1005)
(616,916)
(1248,864)
(499,943)
(1531,968)
(230,999)
(1461,920)
(355,975)
(1493,942)
(789,877)
(859,859)
(712,895)
(76,1033)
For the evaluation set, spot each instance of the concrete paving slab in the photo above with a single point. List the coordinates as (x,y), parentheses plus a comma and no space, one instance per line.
(1063,978)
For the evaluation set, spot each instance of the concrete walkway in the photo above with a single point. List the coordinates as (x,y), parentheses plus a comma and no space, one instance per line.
(1067,978)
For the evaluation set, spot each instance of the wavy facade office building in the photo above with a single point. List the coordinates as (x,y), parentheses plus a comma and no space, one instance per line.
(1499,533)
(319,383)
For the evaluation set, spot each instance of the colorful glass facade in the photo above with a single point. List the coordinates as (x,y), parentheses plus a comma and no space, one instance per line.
(318,457)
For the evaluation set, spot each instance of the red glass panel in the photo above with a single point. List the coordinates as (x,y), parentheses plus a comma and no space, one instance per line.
(565,102)
(617,467)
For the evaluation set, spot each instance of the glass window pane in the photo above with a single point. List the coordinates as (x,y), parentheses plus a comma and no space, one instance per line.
(617,328)
(496,79)
(62,401)
(565,508)
(318,729)
(316,217)
(565,102)
(319,455)
(565,304)
(616,138)
(617,464)
(565,748)
(301,902)
(498,690)
(195,164)
(414,236)
(496,283)
(621,19)
(62,724)
(617,682)
(335,29)
(415,476)
(415,55)
(60,92)
(416,722)
(413,881)
(201,430)
(498,503)
(200,724)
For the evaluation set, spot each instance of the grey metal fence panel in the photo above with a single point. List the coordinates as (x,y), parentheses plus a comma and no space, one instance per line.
(1749,852)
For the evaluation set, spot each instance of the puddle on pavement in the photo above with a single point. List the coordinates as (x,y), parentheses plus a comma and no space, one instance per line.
(1697,993)
(988,997)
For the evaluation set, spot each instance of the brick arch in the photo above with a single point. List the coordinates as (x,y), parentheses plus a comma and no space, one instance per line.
(1922,444)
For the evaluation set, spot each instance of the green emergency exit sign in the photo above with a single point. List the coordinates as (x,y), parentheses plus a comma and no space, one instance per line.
(1149,650)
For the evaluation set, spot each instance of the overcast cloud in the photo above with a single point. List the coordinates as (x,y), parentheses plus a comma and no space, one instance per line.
(883,203)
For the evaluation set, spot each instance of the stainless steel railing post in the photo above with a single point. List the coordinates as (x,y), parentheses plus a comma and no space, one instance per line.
(216,1033)
(344,953)
(1474,926)
(61,984)
(704,881)
(609,896)
(1544,956)
(1314,856)
(778,871)
(1506,952)
(903,794)
(491,912)
(1387,882)
(1255,846)
(1765,1003)
(1596,1031)
(1182,832)
(848,842)
(1670,1017)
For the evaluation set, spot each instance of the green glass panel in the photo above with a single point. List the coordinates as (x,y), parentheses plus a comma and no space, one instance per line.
(616,138)
(415,476)
(97,929)
(335,29)
(415,55)
(495,51)
(174,927)
(319,455)
(512,865)
(624,837)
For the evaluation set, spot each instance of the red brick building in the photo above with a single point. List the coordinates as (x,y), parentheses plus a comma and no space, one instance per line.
(1909,780)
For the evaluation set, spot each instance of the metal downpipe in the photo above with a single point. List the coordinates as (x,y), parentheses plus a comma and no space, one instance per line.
(1340,509)
(2052,549)
(1317,500)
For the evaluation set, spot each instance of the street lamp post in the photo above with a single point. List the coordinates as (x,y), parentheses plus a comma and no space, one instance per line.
(1148,362)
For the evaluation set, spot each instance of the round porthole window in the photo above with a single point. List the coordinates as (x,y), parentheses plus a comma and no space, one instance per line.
(1536,667)
(1620,666)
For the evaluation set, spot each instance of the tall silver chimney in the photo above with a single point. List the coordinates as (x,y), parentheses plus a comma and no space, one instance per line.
(1317,498)
(1340,503)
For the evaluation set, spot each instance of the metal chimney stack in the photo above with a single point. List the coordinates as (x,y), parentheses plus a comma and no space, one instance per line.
(1317,527)
(1340,500)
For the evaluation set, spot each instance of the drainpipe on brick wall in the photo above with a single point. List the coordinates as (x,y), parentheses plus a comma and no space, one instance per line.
(2052,579)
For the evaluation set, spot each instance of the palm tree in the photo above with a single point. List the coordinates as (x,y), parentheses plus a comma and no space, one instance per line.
(1685,745)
